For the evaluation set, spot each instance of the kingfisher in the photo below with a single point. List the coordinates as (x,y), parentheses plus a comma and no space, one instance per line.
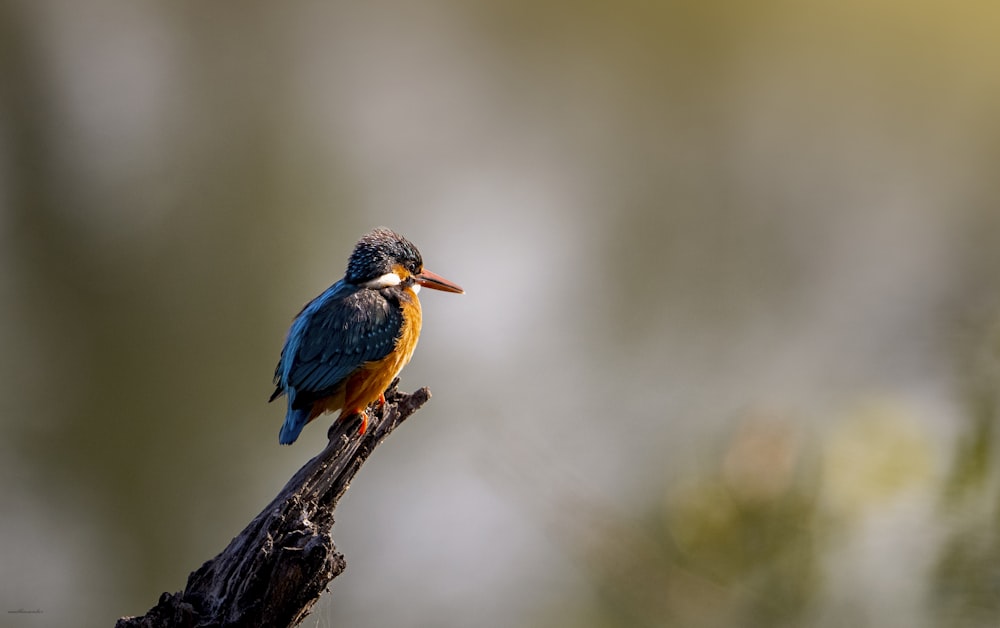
(347,345)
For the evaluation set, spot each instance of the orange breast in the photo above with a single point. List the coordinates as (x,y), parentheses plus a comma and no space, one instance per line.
(371,380)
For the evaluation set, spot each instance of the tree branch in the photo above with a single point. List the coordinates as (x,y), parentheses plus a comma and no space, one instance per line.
(275,570)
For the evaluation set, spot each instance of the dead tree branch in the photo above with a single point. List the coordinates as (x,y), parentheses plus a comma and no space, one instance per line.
(274,571)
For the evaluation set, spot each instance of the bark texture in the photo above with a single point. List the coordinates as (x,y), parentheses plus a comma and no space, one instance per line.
(274,571)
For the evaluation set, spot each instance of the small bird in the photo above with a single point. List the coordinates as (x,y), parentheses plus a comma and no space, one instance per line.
(347,345)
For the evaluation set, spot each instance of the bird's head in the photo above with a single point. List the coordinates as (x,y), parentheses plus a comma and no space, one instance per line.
(383,258)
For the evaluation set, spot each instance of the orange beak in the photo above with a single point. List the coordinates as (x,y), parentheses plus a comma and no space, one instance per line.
(428,279)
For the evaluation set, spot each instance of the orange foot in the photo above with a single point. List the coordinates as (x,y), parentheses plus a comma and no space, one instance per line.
(362,415)
(381,399)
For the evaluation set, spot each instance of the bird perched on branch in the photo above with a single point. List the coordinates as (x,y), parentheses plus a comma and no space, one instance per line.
(347,345)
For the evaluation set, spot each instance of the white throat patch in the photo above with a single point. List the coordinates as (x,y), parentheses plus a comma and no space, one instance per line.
(386,280)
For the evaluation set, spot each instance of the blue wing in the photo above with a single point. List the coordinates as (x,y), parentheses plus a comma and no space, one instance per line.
(333,335)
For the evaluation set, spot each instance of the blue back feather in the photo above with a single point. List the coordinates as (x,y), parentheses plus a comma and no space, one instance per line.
(334,334)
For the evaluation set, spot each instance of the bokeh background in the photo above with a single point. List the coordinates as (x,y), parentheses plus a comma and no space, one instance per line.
(729,353)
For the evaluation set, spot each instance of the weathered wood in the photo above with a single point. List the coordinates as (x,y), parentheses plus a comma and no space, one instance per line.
(274,571)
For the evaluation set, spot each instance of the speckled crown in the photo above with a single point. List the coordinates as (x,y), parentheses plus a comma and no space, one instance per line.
(377,252)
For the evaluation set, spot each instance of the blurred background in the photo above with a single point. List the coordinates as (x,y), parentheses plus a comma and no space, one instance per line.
(729,353)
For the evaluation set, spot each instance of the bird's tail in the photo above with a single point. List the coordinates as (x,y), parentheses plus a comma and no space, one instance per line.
(295,420)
